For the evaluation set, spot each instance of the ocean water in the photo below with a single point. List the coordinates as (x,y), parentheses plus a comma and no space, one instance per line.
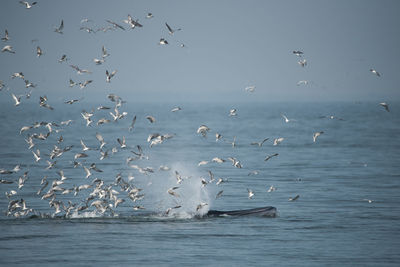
(348,182)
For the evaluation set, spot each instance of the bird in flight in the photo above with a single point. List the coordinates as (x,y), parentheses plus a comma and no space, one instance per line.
(59,29)
(375,72)
(170,30)
(27,5)
(385,105)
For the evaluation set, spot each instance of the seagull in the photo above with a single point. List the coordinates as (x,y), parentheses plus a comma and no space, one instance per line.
(255,172)
(385,105)
(298,53)
(163,41)
(36,155)
(115,25)
(87,171)
(302,82)
(303,63)
(203,129)
(78,70)
(132,124)
(151,119)
(235,162)
(250,89)
(286,118)
(71,83)
(232,112)
(27,5)
(101,140)
(132,23)
(63,58)
(270,156)
(217,137)
(71,101)
(176,109)
(18,75)
(294,198)
(250,193)
(315,135)
(98,61)
(110,75)
(149,15)
(6,37)
(218,160)
(83,85)
(7,48)
(271,189)
(260,143)
(277,141)
(59,29)
(104,52)
(39,51)
(219,194)
(170,30)
(122,142)
(16,99)
(375,72)
(200,206)
(203,162)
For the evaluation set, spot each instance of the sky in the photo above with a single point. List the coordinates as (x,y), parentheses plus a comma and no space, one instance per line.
(229,45)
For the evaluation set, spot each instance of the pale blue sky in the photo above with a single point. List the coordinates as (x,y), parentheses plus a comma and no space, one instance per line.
(229,45)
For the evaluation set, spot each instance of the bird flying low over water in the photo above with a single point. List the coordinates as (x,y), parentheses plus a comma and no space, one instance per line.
(315,135)
(203,129)
(260,143)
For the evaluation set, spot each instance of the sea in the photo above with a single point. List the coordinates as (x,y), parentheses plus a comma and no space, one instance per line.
(337,199)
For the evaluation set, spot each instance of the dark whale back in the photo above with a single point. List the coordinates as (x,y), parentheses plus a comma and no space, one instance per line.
(268,211)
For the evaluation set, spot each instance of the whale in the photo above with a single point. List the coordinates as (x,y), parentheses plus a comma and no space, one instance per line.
(268,211)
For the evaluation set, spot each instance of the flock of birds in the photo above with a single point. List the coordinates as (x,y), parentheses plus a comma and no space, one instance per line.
(99,195)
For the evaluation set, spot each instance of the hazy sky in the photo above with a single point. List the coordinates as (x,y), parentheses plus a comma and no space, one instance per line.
(228,45)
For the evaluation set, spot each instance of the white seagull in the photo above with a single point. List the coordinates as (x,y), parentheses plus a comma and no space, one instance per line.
(8,48)
(27,5)
(385,105)
(315,135)
(375,72)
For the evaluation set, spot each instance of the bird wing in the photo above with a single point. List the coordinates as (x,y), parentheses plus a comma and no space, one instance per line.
(169,28)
